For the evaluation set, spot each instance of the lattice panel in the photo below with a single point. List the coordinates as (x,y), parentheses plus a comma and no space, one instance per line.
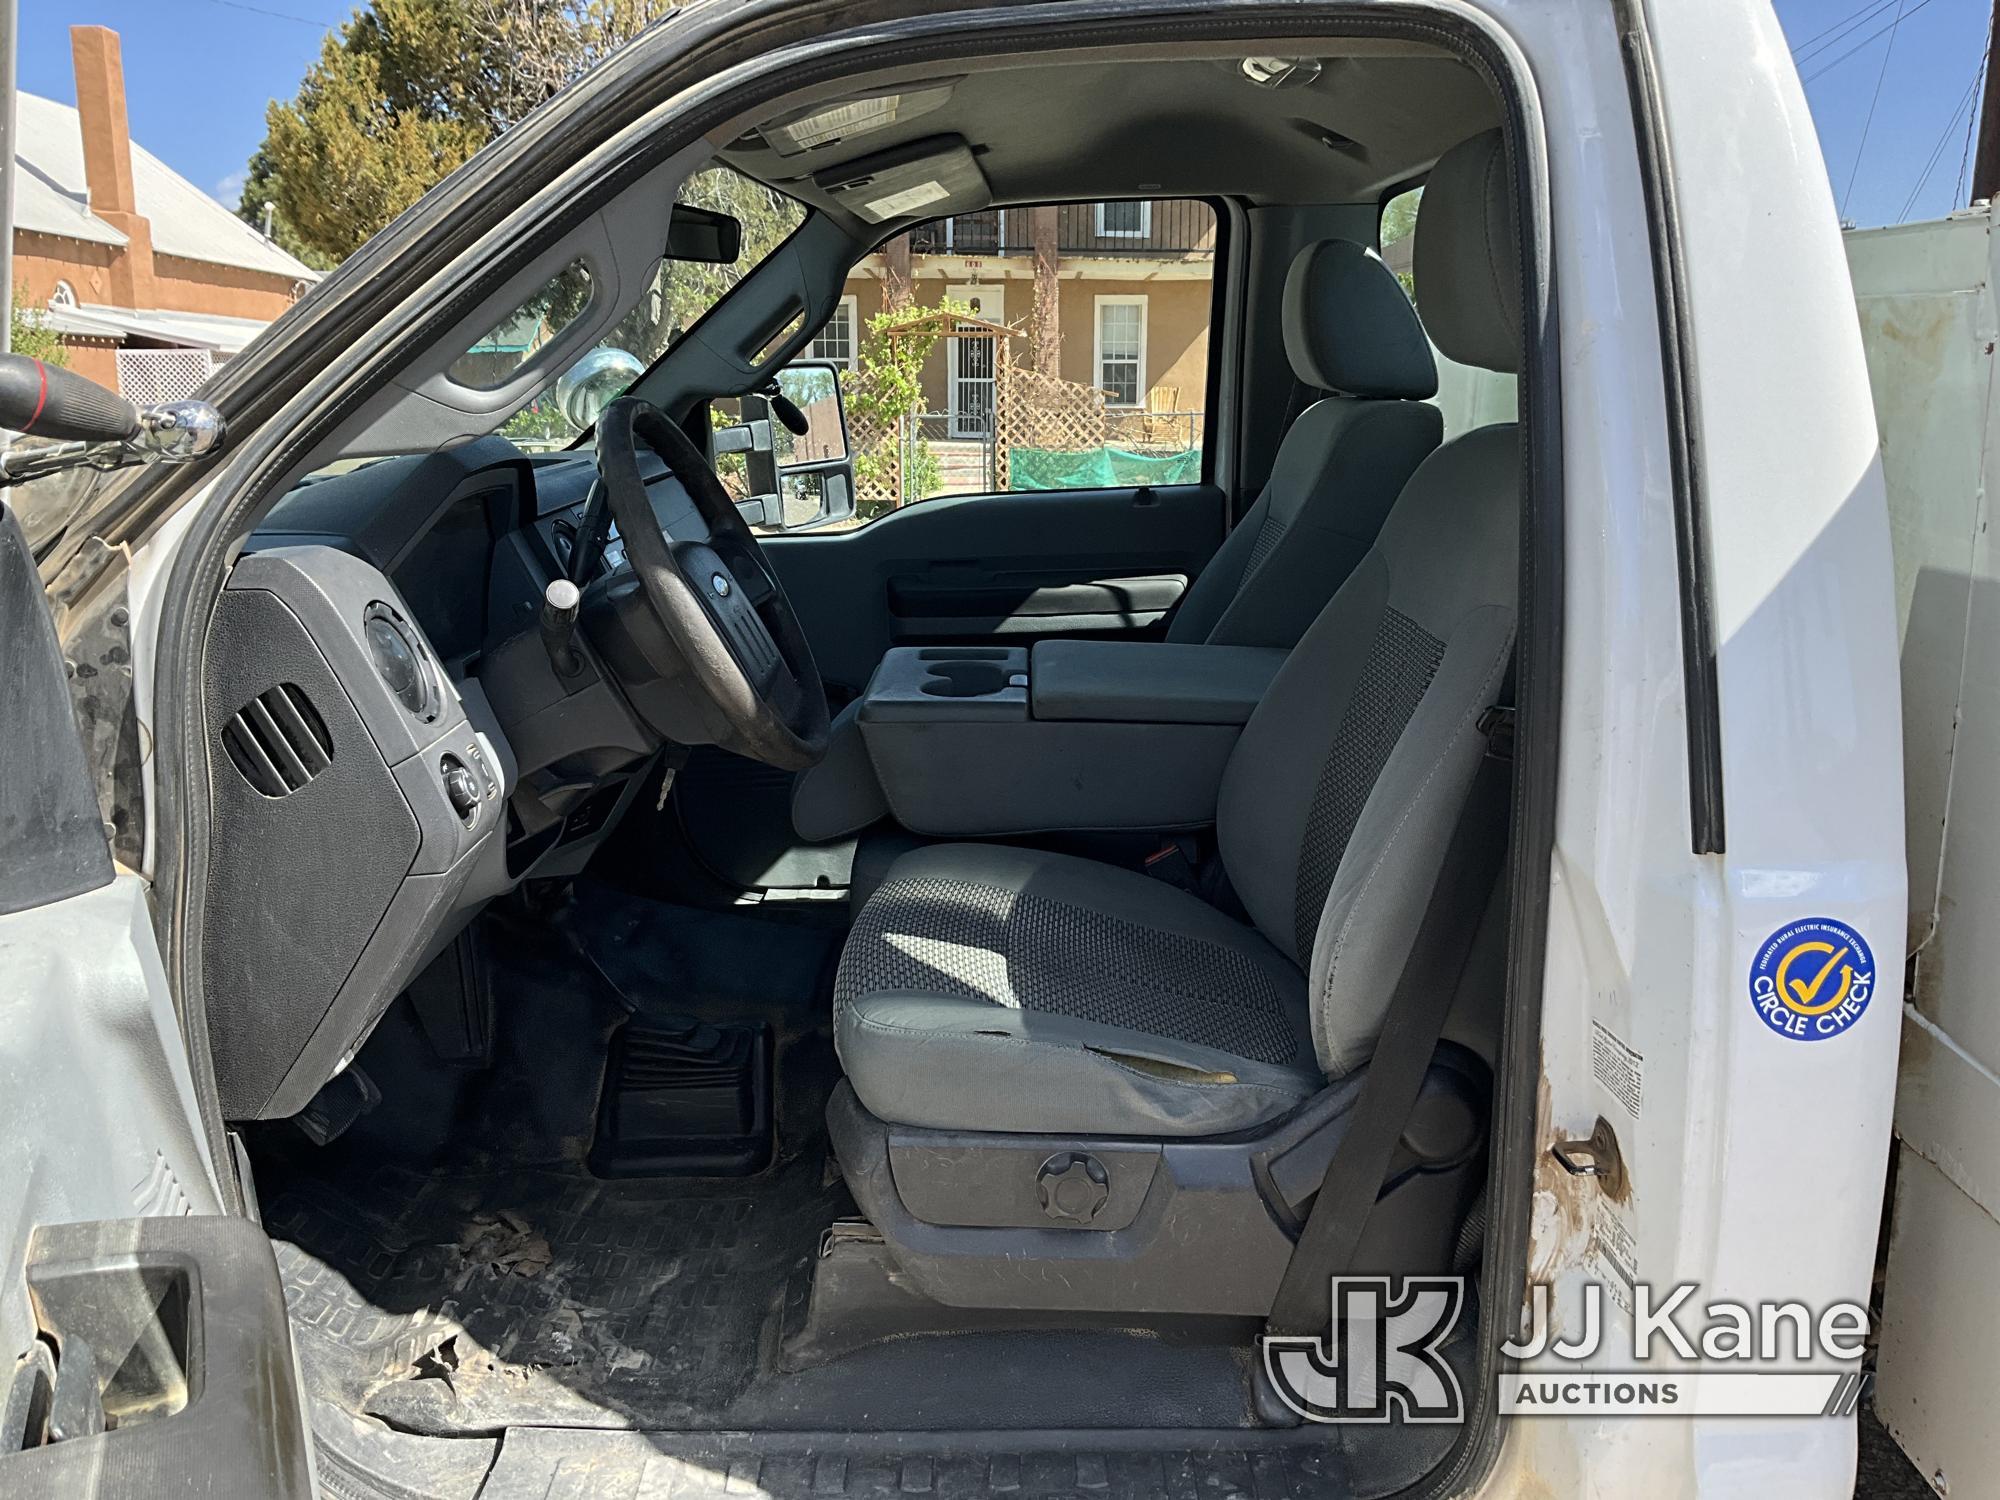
(875,483)
(151,376)
(1034,410)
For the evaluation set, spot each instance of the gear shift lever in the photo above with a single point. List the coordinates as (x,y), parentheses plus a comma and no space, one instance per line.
(561,601)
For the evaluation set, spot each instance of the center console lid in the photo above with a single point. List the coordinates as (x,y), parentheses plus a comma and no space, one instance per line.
(970,740)
(1150,682)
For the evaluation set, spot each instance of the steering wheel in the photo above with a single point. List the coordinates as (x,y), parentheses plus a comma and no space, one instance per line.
(719,603)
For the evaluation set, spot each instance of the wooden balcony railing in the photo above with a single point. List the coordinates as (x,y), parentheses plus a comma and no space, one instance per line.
(1152,229)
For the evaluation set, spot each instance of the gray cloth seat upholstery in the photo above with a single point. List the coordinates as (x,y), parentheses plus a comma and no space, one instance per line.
(1350,333)
(1102,997)
(996,989)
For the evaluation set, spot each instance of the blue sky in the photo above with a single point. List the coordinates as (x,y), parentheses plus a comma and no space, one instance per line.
(198,74)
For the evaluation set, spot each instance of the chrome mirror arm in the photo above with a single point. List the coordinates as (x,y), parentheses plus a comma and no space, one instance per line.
(175,432)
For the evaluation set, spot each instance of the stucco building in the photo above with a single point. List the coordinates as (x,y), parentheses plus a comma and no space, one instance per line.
(1135,287)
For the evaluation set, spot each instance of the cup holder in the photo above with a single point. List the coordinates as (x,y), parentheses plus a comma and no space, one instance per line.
(964,678)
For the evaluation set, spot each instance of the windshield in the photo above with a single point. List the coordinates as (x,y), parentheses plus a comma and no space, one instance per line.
(680,293)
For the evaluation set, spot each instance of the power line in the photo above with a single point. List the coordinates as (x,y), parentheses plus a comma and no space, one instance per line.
(276,15)
(1972,120)
(1862,45)
(1820,41)
(1937,151)
(1875,98)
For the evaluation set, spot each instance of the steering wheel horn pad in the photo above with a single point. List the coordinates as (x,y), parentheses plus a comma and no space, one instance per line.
(716,598)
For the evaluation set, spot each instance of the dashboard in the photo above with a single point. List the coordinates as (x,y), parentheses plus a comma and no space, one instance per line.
(391,750)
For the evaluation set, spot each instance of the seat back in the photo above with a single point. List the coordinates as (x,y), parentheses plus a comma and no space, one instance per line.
(1341,795)
(1349,331)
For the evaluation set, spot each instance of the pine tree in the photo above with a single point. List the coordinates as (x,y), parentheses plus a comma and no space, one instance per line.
(406,92)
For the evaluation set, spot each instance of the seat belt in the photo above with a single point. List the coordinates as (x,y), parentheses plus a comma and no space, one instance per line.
(1416,1017)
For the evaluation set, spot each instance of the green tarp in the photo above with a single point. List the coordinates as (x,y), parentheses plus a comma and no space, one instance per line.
(1098,468)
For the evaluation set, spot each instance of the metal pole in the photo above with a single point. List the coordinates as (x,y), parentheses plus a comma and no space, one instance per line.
(1986,161)
(9,32)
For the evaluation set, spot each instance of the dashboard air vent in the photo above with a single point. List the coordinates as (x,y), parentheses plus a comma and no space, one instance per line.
(278,741)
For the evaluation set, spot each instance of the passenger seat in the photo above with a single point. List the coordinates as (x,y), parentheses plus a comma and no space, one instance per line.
(1351,333)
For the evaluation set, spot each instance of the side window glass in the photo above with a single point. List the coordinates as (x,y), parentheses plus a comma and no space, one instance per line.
(1056,347)
(1468,396)
(519,337)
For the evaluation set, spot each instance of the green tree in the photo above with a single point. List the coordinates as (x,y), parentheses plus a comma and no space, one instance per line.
(259,208)
(886,390)
(683,290)
(1399,222)
(405,93)
(28,332)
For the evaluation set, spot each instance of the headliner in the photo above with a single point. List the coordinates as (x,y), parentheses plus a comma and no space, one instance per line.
(1083,127)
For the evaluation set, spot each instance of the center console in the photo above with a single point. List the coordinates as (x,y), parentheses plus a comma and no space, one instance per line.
(1074,735)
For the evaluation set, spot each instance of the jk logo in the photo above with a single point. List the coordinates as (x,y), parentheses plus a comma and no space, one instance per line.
(1380,1360)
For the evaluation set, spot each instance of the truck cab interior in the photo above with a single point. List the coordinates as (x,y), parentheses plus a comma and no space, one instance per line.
(696,946)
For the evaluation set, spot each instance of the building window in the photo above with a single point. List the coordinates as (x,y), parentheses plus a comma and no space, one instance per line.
(836,341)
(1120,354)
(1129,220)
(63,296)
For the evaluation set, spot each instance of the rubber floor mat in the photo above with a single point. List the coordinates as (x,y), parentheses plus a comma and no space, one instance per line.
(450,1304)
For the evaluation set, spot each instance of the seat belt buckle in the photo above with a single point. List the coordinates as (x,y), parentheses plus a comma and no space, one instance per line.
(1174,863)
(1497,724)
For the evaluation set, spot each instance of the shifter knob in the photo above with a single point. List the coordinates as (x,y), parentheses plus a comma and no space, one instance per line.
(561,601)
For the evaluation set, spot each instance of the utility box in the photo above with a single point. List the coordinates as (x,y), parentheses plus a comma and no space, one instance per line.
(1926,298)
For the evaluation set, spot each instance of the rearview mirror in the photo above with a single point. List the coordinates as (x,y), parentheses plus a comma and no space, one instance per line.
(702,234)
(594,382)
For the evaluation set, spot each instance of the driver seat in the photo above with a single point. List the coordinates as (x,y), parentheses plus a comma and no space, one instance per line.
(993,989)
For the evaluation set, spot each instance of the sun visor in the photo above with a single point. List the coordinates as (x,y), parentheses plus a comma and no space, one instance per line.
(924,179)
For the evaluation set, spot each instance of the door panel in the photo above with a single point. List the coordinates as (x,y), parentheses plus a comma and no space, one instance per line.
(142,1333)
(969,599)
(1106,562)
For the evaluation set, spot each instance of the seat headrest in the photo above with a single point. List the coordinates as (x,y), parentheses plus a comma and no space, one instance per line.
(1349,328)
(1468,258)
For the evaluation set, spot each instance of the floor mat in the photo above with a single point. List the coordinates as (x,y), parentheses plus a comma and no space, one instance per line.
(453,1269)
(542,1297)
(452,1265)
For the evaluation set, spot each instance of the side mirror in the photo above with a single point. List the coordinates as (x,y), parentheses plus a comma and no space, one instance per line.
(815,468)
(594,382)
(792,436)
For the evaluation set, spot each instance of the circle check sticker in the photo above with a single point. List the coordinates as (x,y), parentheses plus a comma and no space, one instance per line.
(1812,979)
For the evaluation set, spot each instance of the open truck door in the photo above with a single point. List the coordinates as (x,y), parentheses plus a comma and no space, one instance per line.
(143,1327)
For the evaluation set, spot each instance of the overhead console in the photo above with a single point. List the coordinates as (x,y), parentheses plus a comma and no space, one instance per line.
(962,740)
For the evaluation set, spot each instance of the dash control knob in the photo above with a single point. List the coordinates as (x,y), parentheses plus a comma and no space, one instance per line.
(461,788)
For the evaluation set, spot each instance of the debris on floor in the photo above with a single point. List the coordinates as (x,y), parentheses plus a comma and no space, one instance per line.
(504,1244)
